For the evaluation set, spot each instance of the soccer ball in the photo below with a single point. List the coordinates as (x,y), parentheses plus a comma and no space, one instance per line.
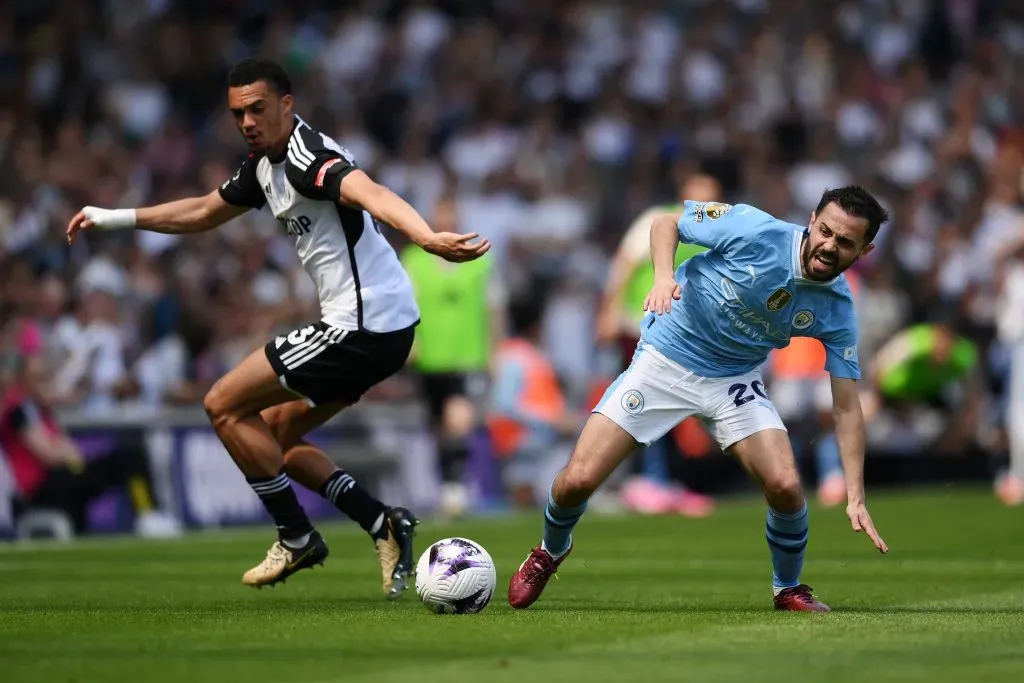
(455,576)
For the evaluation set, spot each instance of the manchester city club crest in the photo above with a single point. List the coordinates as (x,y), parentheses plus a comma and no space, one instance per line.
(778,300)
(632,402)
(802,320)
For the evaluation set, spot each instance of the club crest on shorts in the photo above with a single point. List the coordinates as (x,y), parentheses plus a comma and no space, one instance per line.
(778,300)
(802,320)
(632,402)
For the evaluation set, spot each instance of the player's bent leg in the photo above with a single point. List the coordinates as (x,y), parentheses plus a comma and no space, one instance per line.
(602,446)
(768,456)
(234,405)
(390,528)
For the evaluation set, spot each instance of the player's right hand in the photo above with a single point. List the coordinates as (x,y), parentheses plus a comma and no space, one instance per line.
(457,248)
(860,520)
(81,221)
(92,216)
(660,298)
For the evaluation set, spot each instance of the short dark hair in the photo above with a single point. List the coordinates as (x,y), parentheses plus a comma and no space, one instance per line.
(858,202)
(253,69)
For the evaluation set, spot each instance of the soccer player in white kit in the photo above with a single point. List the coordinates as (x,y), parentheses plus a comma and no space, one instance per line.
(263,408)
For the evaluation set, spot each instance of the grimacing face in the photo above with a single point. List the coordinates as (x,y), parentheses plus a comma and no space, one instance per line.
(263,118)
(835,241)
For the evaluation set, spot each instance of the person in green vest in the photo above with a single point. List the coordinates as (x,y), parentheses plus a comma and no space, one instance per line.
(630,279)
(929,365)
(462,322)
(921,362)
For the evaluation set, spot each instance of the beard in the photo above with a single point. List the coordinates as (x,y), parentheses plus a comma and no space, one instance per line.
(820,264)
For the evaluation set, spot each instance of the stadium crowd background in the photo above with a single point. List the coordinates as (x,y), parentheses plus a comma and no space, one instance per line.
(550,125)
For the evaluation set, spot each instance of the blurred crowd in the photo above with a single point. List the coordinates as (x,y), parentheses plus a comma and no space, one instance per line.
(545,126)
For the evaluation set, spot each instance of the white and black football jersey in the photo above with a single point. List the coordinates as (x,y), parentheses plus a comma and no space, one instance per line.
(359,279)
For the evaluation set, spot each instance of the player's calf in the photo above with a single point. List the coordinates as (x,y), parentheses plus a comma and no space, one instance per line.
(391,529)
(602,446)
(299,546)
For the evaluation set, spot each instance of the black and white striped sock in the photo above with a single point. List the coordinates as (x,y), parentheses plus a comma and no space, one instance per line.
(352,499)
(278,497)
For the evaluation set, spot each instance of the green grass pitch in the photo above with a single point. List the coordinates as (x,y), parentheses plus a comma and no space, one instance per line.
(642,599)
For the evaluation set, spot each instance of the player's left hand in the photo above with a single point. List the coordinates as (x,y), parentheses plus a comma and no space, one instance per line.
(861,521)
(457,248)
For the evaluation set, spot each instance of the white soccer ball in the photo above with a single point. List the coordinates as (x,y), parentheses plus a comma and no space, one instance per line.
(455,576)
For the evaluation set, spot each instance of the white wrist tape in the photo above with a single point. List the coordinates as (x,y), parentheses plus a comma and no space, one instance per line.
(110,219)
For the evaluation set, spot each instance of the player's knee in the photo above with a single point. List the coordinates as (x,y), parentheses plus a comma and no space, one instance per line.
(579,483)
(218,405)
(783,490)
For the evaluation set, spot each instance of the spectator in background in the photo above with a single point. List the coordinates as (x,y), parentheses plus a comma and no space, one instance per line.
(91,342)
(158,377)
(49,470)
(529,418)
(463,318)
(924,368)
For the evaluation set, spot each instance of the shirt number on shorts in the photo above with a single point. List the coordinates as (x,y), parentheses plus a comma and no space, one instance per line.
(739,393)
(296,337)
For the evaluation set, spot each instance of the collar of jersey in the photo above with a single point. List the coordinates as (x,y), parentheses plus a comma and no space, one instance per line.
(798,268)
(296,122)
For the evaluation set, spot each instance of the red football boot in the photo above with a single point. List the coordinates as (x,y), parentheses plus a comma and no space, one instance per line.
(799,599)
(528,582)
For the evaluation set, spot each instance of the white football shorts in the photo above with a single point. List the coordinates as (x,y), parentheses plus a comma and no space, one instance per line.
(655,394)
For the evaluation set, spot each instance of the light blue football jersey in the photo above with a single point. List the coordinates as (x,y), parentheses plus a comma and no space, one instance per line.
(747,295)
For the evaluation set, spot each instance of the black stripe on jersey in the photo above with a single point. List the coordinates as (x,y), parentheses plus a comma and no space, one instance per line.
(313,168)
(306,155)
(352,225)
(307,143)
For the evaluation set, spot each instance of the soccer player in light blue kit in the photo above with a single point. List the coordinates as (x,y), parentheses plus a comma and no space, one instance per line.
(708,330)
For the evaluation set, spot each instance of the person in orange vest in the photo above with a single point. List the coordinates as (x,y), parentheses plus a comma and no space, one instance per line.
(528,419)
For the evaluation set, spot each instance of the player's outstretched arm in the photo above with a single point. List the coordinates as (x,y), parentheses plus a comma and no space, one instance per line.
(664,240)
(358,190)
(850,433)
(184,216)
